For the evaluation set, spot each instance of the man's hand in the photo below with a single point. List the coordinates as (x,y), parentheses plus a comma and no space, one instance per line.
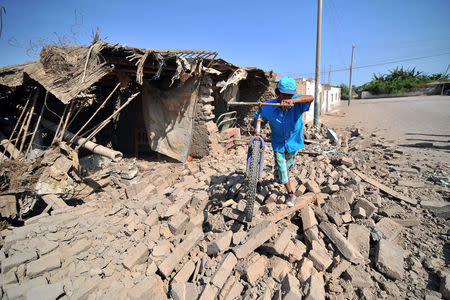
(288,103)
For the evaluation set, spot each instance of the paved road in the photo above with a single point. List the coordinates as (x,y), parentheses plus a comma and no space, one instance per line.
(405,121)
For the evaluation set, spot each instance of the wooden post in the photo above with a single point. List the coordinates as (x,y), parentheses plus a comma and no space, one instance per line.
(75,116)
(67,120)
(17,124)
(37,125)
(95,113)
(59,125)
(104,123)
(8,148)
(36,96)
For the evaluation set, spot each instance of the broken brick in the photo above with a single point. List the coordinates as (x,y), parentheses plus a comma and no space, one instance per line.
(280,243)
(359,237)
(256,269)
(389,259)
(389,228)
(256,237)
(312,186)
(136,255)
(224,270)
(220,244)
(367,206)
(344,247)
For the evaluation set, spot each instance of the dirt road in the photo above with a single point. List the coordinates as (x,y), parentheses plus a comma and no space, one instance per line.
(421,125)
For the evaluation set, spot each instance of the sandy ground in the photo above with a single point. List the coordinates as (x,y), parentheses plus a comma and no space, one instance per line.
(404,121)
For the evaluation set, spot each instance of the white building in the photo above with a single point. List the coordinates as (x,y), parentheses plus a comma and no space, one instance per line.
(330,96)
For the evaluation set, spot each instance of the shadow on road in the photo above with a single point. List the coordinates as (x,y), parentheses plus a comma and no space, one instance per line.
(427,146)
(427,134)
(428,143)
(427,140)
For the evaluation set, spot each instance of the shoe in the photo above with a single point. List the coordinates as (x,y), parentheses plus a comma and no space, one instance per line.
(291,200)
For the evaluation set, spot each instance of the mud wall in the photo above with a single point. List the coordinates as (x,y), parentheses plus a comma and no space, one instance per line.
(201,141)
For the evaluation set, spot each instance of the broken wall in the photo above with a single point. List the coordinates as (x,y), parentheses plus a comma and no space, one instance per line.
(257,86)
(201,141)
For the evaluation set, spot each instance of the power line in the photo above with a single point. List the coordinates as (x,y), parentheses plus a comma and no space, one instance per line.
(405,44)
(403,60)
(382,63)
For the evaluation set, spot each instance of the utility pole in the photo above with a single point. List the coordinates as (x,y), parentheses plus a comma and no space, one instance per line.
(350,84)
(317,83)
(329,75)
(448,67)
(443,77)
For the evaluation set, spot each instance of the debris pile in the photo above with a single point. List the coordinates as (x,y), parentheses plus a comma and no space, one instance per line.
(367,224)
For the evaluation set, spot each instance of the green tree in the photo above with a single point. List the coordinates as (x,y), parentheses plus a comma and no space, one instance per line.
(399,80)
(345,90)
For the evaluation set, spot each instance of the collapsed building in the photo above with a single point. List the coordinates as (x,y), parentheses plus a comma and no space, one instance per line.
(113,101)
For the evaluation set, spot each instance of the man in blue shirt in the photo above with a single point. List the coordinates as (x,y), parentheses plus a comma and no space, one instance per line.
(286,126)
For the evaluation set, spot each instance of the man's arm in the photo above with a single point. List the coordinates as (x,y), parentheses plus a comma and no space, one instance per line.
(301,99)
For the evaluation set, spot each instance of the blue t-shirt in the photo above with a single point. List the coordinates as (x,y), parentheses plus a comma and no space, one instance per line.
(287,128)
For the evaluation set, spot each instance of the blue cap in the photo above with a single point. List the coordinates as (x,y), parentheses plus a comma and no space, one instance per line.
(287,85)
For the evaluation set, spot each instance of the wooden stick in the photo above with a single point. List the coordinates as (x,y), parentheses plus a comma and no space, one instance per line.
(95,113)
(384,188)
(59,125)
(15,139)
(17,123)
(74,116)
(36,96)
(87,132)
(27,120)
(37,125)
(86,63)
(67,119)
(304,201)
(104,123)
(8,147)
(20,131)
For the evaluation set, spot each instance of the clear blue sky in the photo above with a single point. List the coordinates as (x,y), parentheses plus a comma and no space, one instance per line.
(277,35)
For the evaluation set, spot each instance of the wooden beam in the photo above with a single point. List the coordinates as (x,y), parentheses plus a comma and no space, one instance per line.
(38,122)
(36,96)
(302,202)
(107,120)
(9,147)
(95,113)
(59,125)
(17,124)
(67,119)
(384,188)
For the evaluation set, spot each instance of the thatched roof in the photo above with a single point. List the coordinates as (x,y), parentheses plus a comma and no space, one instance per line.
(67,71)
(13,76)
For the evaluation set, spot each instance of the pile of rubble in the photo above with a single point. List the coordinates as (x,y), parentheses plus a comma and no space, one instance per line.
(50,182)
(368,223)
